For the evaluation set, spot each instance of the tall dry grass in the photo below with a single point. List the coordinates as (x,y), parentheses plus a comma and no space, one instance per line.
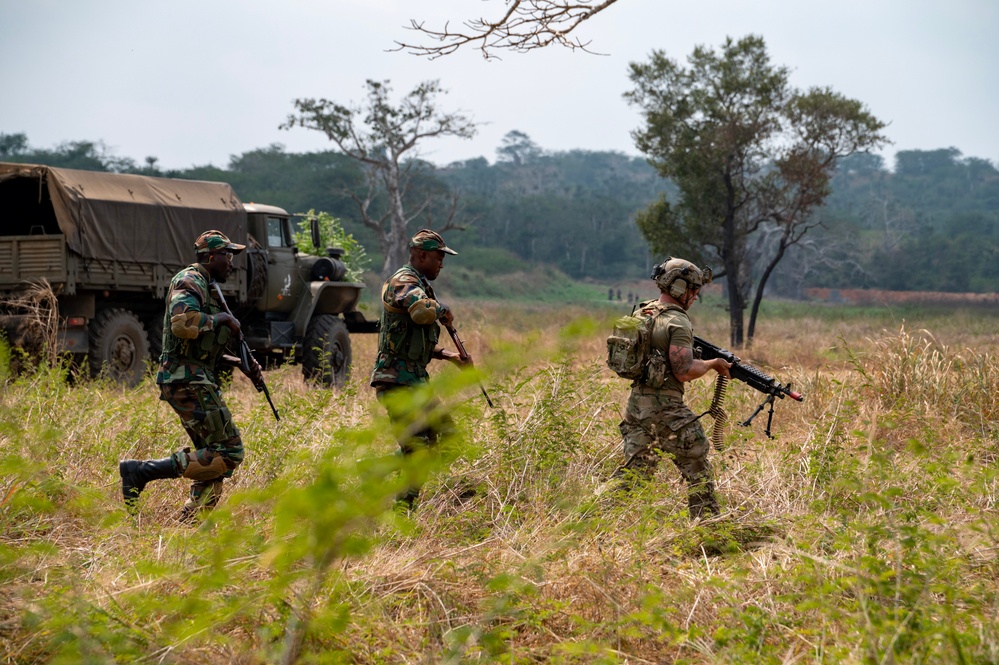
(863,532)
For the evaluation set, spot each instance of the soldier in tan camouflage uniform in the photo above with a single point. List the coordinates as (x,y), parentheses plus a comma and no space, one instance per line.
(656,420)
(195,332)
(407,342)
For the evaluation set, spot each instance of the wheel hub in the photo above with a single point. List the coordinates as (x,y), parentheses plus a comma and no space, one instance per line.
(122,355)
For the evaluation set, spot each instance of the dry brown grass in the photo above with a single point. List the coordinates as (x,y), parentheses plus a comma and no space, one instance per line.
(30,319)
(878,482)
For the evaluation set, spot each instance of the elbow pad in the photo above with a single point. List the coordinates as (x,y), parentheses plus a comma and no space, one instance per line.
(424,311)
(185,325)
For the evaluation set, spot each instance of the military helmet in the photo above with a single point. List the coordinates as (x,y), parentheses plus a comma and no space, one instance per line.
(673,269)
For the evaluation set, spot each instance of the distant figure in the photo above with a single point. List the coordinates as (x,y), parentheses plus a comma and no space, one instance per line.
(619,294)
(630,297)
(610,294)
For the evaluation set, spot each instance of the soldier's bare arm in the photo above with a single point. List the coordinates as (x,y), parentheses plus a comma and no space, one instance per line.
(687,368)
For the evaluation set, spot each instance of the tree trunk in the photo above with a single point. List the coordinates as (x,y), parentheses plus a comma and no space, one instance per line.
(781,248)
(397,238)
(735,308)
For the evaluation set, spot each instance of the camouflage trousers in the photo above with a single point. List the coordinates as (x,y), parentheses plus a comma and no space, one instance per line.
(658,424)
(218,448)
(419,422)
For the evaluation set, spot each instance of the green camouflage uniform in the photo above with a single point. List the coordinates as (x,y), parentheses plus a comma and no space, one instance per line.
(405,348)
(188,384)
(657,422)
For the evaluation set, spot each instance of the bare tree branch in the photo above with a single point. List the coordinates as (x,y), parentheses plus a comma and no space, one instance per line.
(384,137)
(454,208)
(525,25)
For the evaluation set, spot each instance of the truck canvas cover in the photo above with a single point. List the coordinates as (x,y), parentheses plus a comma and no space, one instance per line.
(119,216)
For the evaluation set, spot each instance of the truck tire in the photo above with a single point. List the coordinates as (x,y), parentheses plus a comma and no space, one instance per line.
(118,347)
(326,357)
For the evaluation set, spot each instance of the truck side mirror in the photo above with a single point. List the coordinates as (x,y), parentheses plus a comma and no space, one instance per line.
(317,240)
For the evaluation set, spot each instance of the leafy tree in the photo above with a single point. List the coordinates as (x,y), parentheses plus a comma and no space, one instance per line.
(333,235)
(12,145)
(84,155)
(748,152)
(929,225)
(573,210)
(382,138)
(524,26)
(517,148)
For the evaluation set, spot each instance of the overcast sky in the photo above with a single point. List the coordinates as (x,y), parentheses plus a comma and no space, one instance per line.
(193,82)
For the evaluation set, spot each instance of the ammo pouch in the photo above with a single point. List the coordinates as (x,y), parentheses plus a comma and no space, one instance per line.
(404,339)
(656,371)
(205,350)
(212,344)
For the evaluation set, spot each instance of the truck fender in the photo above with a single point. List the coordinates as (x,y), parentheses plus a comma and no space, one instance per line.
(324,298)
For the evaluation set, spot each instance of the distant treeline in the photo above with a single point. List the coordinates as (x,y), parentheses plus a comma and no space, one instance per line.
(931,223)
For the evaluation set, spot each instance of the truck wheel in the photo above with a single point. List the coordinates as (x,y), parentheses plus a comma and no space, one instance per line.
(118,346)
(326,358)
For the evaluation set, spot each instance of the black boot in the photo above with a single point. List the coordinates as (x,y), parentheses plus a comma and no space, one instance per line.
(135,475)
(405,502)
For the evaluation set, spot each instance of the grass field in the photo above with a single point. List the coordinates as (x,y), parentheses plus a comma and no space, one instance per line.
(864,532)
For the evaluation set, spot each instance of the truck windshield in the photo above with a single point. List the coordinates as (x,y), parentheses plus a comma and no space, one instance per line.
(278,234)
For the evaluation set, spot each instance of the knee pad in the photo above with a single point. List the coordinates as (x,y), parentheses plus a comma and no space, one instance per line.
(203,465)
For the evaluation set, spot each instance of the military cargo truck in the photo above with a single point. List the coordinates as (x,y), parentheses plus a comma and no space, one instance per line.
(108,245)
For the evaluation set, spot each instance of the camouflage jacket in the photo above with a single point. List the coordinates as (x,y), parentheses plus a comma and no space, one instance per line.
(192,344)
(408,330)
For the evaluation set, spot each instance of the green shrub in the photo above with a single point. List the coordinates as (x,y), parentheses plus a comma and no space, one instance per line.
(332,234)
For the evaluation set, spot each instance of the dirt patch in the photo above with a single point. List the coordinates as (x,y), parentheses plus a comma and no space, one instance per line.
(880,297)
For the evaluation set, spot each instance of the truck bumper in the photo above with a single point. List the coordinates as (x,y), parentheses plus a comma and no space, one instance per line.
(74,340)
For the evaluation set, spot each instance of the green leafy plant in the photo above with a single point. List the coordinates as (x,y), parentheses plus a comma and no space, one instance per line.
(333,235)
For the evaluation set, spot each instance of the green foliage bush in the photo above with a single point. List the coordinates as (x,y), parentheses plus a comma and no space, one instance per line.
(333,235)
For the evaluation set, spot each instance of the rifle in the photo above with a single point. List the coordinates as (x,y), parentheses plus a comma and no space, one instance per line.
(245,354)
(746,373)
(463,354)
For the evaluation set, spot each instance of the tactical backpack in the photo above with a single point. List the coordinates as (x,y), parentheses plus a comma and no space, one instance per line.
(629,347)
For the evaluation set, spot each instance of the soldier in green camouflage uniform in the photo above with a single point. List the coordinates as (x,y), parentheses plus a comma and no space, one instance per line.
(196,329)
(656,420)
(407,342)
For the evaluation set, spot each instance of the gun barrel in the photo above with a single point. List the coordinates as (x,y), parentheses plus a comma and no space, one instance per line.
(747,373)
(457,342)
(464,356)
(244,354)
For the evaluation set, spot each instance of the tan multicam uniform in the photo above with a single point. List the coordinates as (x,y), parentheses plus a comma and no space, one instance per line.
(192,345)
(657,422)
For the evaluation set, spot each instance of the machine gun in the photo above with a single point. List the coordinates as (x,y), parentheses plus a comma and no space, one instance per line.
(746,373)
(245,354)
